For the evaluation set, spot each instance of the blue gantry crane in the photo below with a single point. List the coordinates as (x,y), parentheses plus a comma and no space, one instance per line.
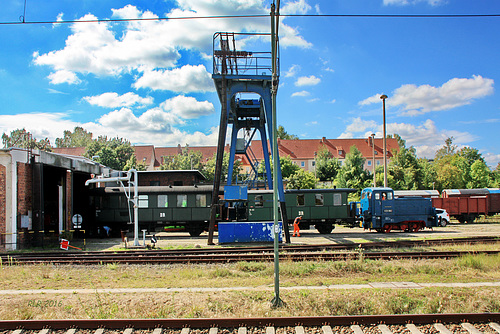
(240,77)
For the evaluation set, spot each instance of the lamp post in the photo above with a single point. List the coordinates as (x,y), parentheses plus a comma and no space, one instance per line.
(383,97)
(373,160)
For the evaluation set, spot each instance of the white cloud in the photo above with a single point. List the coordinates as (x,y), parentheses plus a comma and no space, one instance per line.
(63,76)
(186,79)
(292,71)
(491,159)
(416,100)
(301,93)
(370,100)
(426,137)
(297,7)
(187,107)
(413,2)
(359,125)
(307,81)
(113,100)
(115,48)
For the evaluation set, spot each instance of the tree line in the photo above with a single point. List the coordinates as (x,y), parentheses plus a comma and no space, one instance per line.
(451,168)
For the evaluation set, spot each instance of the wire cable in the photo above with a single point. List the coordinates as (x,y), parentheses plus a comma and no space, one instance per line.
(256,16)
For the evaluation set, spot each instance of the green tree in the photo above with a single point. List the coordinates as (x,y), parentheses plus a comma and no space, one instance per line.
(288,168)
(405,170)
(302,180)
(327,166)
(429,174)
(114,153)
(187,160)
(78,138)
(208,169)
(352,173)
(495,177)
(22,139)
(282,134)
(479,175)
(133,164)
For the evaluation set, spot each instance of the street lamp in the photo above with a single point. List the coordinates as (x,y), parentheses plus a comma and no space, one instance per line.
(383,97)
(373,160)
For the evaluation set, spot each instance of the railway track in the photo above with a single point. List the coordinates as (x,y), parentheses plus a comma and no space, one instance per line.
(385,324)
(329,252)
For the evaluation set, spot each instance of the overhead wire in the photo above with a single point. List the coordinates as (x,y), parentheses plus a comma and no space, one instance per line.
(23,21)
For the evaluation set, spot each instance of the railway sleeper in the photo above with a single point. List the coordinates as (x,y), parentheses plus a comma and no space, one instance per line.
(325,329)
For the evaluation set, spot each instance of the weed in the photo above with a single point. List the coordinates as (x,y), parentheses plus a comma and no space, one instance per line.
(252,266)
(403,304)
(112,266)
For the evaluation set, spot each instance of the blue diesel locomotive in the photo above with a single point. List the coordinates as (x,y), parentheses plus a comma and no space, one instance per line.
(382,212)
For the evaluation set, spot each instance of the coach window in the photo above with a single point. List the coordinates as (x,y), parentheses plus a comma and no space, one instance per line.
(300,200)
(162,201)
(259,201)
(143,201)
(319,199)
(201,200)
(337,199)
(182,201)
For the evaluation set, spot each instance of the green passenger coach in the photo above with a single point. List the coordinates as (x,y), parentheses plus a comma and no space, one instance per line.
(188,208)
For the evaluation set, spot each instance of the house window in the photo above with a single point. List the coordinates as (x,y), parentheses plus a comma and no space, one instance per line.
(314,163)
(378,163)
(162,201)
(259,201)
(182,201)
(319,199)
(341,152)
(201,201)
(369,163)
(302,164)
(300,200)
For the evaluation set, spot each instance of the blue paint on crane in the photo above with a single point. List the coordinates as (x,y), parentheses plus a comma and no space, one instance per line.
(248,232)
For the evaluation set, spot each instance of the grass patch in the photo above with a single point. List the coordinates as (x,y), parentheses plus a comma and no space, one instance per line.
(251,303)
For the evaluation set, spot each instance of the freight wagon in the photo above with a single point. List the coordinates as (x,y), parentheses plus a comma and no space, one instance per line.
(465,205)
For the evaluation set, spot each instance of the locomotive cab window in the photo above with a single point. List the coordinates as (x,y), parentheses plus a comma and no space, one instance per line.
(163,201)
(201,200)
(300,200)
(259,201)
(182,201)
(319,199)
(337,199)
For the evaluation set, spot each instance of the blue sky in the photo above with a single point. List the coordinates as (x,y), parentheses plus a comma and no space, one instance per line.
(150,81)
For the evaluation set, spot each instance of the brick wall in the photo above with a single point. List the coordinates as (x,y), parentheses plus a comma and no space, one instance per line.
(68,201)
(3,218)
(24,199)
(24,189)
